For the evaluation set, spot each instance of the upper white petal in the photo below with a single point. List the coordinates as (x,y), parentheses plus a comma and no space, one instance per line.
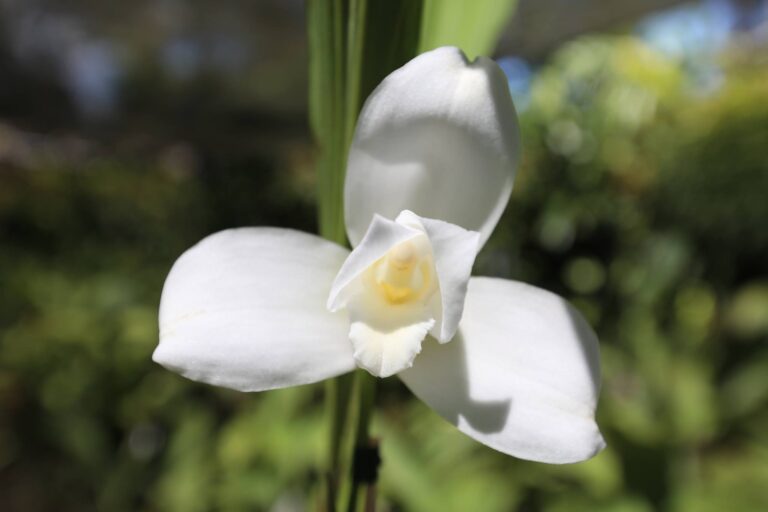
(245,309)
(439,136)
(521,376)
(454,250)
(382,235)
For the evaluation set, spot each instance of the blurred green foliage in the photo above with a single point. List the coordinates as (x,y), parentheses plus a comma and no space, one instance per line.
(641,199)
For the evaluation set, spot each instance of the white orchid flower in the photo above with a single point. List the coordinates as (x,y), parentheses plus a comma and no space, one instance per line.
(430,171)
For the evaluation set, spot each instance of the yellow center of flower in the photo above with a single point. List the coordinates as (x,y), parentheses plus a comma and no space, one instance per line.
(403,274)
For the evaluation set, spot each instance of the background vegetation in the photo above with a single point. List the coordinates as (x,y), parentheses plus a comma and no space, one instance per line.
(642,198)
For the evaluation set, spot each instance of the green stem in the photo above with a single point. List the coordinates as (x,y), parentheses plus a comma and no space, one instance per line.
(353,45)
(338,392)
(355,50)
(366,389)
(327,24)
(334,200)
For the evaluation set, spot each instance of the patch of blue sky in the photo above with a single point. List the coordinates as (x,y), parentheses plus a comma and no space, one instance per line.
(692,29)
(519,76)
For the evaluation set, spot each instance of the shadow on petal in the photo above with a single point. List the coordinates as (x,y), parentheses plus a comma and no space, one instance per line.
(440,377)
(433,167)
(521,377)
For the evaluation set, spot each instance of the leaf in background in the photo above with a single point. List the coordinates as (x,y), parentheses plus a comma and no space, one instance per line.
(472,25)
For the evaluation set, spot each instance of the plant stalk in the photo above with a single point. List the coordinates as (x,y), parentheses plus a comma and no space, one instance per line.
(365,469)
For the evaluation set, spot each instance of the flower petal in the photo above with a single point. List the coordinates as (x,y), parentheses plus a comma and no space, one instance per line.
(386,351)
(454,250)
(245,309)
(382,235)
(439,137)
(521,376)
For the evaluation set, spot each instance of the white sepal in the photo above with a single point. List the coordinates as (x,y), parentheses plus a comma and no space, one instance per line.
(521,376)
(245,309)
(438,136)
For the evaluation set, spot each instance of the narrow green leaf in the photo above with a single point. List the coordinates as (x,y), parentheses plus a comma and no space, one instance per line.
(327,24)
(472,25)
(391,40)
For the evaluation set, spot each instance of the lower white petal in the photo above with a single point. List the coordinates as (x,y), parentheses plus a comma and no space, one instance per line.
(245,309)
(386,352)
(521,376)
